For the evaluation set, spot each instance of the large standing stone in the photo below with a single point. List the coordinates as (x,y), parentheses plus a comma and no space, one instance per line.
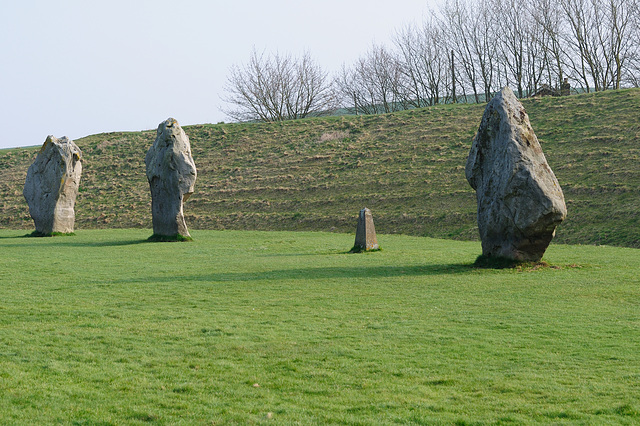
(52,185)
(520,202)
(365,232)
(172,175)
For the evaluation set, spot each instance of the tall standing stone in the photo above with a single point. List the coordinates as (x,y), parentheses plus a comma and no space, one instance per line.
(171,173)
(365,232)
(51,186)
(520,202)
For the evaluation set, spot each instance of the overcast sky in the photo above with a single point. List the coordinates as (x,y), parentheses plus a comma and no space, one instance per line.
(76,68)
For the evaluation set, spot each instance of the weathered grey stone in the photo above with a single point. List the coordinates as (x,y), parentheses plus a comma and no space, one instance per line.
(52,185)
(171,173)
(520,202)
(365,232)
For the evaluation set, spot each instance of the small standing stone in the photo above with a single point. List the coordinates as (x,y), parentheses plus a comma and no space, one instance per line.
(520,202)
(171,173)
(365,233)
(51,186)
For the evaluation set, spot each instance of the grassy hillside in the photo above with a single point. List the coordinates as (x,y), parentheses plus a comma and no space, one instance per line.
(407,167)
(287,327)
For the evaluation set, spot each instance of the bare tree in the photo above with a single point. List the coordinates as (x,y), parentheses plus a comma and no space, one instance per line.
(548,22)
(373,84)
(455,20)
(582,37)
(520,45)
(601,35)
(483,35)
(278,87)
(631,72)
(471,34)
(616,37)
(354,93)
(424,63)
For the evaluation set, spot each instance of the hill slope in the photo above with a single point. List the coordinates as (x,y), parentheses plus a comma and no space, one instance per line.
(407,167)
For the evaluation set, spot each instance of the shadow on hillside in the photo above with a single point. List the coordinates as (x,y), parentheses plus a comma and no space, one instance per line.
(316,274)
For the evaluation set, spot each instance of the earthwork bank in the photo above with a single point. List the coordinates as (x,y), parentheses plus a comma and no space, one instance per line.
(316,174)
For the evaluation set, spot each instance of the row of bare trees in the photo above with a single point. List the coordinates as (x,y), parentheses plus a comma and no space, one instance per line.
(462,52)
(278,87)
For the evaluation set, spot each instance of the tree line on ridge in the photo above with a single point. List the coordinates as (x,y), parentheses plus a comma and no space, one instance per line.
(464,51)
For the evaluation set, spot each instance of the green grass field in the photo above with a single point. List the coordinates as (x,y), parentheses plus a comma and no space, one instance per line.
(287,327)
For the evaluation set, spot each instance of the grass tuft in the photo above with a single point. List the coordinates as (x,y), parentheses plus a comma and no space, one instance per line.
(497,262)
(156,238)
(38,234)
(361,249)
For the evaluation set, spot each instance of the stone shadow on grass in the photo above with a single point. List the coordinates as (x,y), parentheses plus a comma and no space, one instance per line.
(63,240)
(15,237)
(371,272)
(110,243)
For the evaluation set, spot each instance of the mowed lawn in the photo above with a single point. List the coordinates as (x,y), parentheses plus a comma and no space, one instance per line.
(287,327)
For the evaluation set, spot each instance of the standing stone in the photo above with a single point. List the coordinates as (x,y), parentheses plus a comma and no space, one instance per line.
(365,232)
(171,173)
(520,202)
(52,185)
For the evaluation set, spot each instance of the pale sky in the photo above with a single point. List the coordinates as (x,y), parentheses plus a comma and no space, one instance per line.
(76,67)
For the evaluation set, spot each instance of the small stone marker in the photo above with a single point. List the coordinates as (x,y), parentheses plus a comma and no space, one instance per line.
(171,173)
(520,202)
(51,186)
(365,233)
